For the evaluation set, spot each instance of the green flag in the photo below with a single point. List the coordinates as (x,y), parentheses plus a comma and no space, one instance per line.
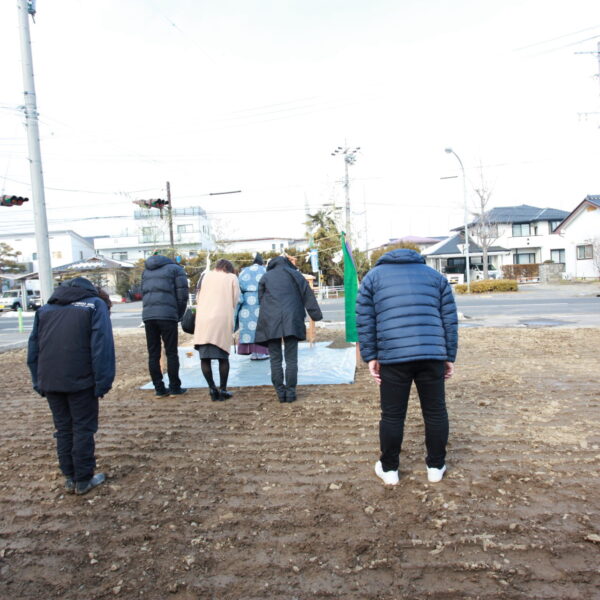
(350,291)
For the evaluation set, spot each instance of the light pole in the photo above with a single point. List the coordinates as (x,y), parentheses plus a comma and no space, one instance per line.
(467,265)
(40,219)
(349,155)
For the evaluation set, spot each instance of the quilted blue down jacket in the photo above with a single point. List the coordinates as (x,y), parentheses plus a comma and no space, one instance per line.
(405,311)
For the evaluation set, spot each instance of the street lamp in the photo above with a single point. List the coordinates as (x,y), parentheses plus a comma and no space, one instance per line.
(349,155)
(467,265)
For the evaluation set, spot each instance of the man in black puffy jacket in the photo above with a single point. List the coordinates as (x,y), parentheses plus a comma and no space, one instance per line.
(71,357)
(164,297)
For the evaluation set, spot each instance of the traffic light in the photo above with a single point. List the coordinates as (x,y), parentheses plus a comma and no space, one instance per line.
(6,200)
(160,204)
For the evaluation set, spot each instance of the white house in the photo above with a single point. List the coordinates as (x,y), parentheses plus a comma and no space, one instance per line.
(267,244)
(579,236)
(138,236)
(65,247)
(521,235)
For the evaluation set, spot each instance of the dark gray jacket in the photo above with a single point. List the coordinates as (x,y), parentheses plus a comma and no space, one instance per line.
(283,294)
(164,290)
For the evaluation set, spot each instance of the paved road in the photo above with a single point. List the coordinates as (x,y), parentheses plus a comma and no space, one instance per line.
(535,305)
(575,305)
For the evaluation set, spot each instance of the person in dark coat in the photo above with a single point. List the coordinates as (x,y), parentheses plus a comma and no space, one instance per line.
(164,299)
(71,357)
(408,331)
(283,295)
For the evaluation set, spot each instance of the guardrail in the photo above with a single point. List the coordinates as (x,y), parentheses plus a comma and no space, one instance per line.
(331,291)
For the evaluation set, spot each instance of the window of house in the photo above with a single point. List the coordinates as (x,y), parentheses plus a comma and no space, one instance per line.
(557,256)
(34,256)
(119,255)
(525,258)
(273,246)
(57,254)
(187,228)
(520,229)
(554,225)
(81,255)
(584,252)
(534,230)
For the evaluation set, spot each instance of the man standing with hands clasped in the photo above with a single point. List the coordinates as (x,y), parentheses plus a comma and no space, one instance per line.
(408,331)
(164,299)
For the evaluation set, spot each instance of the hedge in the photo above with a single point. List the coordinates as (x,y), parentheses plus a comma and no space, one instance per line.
(521,271)
(488,285)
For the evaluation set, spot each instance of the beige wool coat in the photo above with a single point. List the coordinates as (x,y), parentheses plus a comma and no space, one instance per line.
(215,308)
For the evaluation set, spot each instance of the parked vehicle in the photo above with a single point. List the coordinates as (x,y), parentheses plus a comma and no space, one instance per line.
(11,300)
(457,266)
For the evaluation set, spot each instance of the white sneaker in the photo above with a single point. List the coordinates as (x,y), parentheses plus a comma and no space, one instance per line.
(388,477)
(435,475)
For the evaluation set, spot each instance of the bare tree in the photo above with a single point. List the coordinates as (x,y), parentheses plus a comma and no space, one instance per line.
(596,254)
(483,231)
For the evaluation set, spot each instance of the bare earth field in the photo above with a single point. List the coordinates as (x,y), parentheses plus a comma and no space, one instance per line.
(252,499)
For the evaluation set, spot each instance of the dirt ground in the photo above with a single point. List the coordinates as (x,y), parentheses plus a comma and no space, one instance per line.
(252,499)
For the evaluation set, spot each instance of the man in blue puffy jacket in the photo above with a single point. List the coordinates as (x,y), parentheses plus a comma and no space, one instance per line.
(164,299)
(71,357)
(408,331)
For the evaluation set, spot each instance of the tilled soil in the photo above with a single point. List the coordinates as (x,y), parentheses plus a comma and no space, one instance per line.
(252,499)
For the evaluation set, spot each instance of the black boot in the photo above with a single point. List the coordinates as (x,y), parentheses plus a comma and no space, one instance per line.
(225,395)
(215,395)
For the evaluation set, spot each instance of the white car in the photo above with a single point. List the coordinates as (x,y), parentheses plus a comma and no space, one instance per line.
(11,300)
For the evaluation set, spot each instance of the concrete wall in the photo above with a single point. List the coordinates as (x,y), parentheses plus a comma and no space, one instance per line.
(551,272)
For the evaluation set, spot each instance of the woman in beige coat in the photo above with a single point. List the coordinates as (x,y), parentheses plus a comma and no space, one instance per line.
(216,303)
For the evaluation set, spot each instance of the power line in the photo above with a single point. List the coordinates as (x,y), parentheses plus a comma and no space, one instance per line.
(560,37)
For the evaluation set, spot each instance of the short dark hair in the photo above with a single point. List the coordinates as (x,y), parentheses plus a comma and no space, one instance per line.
(224,265)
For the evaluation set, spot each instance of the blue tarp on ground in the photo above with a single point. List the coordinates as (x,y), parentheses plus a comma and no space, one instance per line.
(317,365)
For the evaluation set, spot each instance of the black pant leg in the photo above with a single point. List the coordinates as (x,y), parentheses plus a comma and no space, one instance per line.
(276,360)
(429,379)
(291,366)
(169,335)
(63,424)
(153,342)
(84,412)
(396,381)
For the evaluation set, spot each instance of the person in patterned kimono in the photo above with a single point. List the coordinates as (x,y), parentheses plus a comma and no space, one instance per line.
(249,310)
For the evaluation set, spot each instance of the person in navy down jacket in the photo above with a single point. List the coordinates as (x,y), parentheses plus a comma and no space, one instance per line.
(71,356)
(164,299)
(408,331)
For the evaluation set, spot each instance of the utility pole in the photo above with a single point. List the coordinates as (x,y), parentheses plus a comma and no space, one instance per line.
(349,155)
(170,216)
(26,8)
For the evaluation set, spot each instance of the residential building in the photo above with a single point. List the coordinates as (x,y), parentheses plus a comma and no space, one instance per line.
(518,234)
(447,256)
(421,242)
(148,230)
(579,238)
(65,247)
(267,244)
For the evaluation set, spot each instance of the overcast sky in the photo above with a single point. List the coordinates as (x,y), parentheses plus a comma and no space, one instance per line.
(254,95)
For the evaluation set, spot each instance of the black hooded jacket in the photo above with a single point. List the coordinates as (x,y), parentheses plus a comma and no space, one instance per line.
(283,295)
(164,290)
(71,344)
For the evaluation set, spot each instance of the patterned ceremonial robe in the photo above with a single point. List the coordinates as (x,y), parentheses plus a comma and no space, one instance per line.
(249,309)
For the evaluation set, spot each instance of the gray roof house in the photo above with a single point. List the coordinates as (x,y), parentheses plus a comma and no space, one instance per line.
(524,236)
